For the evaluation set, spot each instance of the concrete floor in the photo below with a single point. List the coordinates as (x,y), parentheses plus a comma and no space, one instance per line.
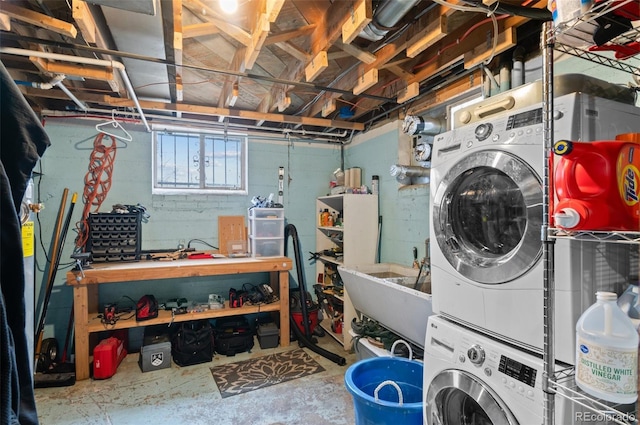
(189,395)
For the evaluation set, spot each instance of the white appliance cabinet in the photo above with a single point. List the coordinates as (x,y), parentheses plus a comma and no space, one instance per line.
(356,236)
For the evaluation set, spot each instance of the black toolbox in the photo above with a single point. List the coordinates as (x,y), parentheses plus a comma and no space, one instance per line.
(232,335)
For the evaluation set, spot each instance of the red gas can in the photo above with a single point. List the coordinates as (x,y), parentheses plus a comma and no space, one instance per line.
(107,357)
(586,186)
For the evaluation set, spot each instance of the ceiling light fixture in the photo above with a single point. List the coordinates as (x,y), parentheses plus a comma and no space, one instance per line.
(229,6)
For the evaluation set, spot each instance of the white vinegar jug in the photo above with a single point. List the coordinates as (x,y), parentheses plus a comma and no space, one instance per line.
(607,352)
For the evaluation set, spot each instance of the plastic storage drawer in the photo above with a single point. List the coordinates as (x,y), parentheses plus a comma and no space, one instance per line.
(273,213)
(267,247)
(267,228)
(266,222)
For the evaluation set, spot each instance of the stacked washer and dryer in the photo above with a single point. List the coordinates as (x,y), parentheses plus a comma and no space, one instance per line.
(484,345)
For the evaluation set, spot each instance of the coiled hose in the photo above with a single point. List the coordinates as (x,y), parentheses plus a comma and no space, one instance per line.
(304,339)
(97,183)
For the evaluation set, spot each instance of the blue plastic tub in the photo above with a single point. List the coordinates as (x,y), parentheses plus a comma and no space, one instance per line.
(391,378)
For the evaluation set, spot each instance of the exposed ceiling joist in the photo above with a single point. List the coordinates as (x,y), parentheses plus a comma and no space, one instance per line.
(39,19)
(275,63)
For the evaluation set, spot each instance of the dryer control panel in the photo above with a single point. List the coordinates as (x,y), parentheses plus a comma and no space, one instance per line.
(522,127)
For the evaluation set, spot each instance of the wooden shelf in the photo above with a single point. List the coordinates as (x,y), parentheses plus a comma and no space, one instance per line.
(164,316)
(333,260)
(329,229)
(326,325)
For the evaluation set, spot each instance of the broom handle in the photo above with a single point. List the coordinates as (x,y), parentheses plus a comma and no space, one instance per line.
(53,249)
(54,268)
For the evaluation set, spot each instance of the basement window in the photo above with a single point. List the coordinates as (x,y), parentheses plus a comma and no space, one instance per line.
(205,162)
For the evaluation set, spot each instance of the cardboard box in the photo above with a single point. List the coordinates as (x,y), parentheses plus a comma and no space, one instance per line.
(155,354)
(268,335)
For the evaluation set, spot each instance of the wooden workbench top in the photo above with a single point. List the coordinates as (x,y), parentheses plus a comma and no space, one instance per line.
(150,269)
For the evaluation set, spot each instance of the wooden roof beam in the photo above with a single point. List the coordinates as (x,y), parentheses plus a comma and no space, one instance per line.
(273,8)
(173,41)
(82,11)
(199,30)
(5,22)
(81,71)
(250,115)
(38,19)
(259,34)
(361,55)
(359,17)
(84,19)
(116,102)
(208,14)
(230,82)
(283,36)
(297,53)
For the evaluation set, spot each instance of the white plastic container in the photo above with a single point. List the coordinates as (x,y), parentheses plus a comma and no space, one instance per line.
(607,352)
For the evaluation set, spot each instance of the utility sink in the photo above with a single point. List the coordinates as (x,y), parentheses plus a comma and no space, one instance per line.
(386,292)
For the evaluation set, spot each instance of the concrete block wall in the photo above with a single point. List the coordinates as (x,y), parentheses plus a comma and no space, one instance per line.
(308,165)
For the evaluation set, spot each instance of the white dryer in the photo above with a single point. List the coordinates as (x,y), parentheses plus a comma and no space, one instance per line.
(471,379)
(486,215)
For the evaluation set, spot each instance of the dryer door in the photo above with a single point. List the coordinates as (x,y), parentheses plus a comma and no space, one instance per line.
(455,397)
(487,217)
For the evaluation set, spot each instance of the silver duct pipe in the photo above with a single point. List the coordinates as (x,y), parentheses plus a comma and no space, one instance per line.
(86,61)
(518,71)
(413,125)
(387,15)
(408,174)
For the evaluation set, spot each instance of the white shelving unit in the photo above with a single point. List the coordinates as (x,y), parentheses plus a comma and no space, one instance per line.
(355,238)
(562,383)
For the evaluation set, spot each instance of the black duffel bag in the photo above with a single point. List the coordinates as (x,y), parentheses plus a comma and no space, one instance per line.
(233,335)
(192,343)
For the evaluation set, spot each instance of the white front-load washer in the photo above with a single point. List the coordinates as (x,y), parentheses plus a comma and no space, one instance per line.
(486,207)
(472,379)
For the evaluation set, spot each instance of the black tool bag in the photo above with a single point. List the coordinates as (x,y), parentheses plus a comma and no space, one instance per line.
(233,335)
(192,343)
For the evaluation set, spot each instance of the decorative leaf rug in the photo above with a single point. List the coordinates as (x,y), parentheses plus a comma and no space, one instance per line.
(248,375)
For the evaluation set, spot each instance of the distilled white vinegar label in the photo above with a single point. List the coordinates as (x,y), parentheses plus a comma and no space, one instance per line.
(607,370)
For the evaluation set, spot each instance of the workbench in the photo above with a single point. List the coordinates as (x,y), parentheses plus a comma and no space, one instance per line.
(86,282)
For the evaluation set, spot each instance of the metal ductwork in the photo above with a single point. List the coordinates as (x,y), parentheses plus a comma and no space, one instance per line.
(148,7)
(413,125)
(410,174)
(386,16)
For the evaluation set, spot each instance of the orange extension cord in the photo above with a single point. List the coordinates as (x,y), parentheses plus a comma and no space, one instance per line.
(97,183)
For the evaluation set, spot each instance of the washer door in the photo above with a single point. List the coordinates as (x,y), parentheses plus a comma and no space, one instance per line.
(455,397)
(487,217)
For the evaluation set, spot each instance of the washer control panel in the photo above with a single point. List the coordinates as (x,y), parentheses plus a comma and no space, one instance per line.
(513,373)
(517,370)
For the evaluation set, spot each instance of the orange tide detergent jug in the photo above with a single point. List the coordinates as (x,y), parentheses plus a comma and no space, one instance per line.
(628,177)
(590,185)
